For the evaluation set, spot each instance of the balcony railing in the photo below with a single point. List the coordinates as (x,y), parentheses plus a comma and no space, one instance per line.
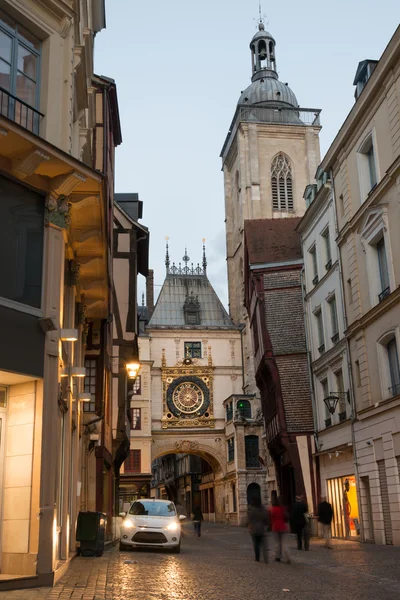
(342,416)
(328,265)
(384,294)
(321,348)
(335,338)
(328,422)
(19,111)
(315,280)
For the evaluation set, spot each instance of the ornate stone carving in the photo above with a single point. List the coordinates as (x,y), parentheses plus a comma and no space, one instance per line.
(57,211)
(186,446)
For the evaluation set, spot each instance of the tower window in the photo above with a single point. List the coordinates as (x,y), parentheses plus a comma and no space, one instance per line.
(282,184)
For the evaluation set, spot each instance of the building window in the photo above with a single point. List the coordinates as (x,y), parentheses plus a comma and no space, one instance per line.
(327,247)
(367,167)
(393,358)
(192,349)
(320,331)
(314,264)
(136,418)
(244,408)
(19,73)
(383,270)
(358,373)
(251,451)
(90,384)
(21,241)
(134,386)
(229,411)
(3,397)
(231,449)
(342,408)
(282,184)
(334,319)
(133,463)
(350,290)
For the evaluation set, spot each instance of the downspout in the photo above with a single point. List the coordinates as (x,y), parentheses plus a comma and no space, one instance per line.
(312,390)
(349,367)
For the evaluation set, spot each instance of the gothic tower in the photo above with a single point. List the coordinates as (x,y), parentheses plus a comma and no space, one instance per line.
(270,154)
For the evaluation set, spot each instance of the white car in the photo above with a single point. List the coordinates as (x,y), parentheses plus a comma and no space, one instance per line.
(151,523)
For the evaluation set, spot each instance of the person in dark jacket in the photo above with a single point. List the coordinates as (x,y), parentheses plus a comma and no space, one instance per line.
(258,522)
(299,522)
(197,520)
(325,516)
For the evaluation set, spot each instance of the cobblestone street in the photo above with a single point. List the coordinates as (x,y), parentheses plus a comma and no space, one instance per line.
(220,566)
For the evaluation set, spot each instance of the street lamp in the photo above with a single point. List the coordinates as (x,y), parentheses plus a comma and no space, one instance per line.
(133,368)
(332,400)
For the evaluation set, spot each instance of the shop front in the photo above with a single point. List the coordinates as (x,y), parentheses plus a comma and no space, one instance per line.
(342,494)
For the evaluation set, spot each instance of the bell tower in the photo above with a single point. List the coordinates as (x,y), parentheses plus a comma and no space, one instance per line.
(270,154)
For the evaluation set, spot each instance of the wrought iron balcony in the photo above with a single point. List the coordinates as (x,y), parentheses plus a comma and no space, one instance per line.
(328,422)
(328,264)
(19,111)
(321,348)
(342,416)
(335,338)
(384,294)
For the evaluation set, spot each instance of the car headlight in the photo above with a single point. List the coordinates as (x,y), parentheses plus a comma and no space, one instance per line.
(128,524)
(172,526)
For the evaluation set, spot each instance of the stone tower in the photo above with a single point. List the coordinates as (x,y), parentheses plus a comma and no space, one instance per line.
(270,154)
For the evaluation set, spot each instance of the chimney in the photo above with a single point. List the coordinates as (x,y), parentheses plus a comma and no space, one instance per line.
(150,291)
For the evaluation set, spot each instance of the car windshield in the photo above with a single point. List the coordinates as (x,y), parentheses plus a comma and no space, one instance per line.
(152,508)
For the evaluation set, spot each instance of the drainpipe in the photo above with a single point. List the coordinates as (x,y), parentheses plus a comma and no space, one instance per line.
(350,369)
(311,382)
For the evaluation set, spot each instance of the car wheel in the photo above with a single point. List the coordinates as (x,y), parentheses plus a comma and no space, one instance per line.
(122,547)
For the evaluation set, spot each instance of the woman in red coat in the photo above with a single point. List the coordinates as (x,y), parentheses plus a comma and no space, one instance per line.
(278,522)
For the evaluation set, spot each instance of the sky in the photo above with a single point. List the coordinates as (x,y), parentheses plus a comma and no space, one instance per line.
(180,68)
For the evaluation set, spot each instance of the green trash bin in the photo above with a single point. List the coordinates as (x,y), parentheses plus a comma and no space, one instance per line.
(91,532)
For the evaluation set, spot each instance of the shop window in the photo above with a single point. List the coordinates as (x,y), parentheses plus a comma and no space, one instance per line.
(136,418)
(21,241)
(252,451)
(244,408)
(192,349)
(133,463)
(231,449)
(90,384)
(342,494)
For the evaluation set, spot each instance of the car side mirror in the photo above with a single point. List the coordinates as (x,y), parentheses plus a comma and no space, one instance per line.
(182,517)
(122,514)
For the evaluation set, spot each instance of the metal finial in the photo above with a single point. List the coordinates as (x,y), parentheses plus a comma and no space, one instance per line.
(186,258)
(204,256)
(167,262)
(261,18)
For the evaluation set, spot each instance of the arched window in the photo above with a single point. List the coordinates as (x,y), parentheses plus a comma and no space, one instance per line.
(251,451)
(282,184)
(244,408)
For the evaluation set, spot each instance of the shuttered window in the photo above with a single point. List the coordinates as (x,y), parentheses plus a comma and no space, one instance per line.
(282,184)
(133,463)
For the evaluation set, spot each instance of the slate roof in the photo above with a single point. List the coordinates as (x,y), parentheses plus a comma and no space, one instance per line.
(272,240)
(168,311)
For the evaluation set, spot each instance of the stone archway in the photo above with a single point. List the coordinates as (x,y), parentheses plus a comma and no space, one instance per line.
(210,448)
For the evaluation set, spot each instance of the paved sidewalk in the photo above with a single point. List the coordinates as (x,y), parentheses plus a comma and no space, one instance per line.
(220,566)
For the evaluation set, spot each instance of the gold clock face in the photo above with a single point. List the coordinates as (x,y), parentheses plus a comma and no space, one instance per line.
(188,397)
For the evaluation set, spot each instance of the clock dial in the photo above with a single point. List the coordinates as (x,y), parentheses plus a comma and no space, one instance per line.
(188,397)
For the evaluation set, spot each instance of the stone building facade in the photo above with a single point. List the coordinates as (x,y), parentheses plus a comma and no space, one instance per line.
(364,165)
(270,154)
(56,224)
(192,355)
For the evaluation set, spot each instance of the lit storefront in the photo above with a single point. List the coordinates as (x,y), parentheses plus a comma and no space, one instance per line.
(342,494)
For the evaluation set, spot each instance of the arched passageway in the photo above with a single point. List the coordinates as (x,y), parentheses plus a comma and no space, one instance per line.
(253,493)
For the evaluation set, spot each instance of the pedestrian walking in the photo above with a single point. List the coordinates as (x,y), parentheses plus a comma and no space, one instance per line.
(278,524)
(325,516)
(258,523)
(299,522)
(197,520)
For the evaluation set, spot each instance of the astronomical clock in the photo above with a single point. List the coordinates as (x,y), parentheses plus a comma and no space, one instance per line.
(187,394)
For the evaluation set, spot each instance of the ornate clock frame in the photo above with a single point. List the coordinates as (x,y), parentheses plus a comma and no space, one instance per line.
(188,371)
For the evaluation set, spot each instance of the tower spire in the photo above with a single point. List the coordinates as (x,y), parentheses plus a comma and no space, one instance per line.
(204,256)
(167,262)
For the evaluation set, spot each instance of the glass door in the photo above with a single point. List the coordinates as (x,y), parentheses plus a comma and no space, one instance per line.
(342,494)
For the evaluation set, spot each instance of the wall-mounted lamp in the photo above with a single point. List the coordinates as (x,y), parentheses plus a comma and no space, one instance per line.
(69,335)
(133,368)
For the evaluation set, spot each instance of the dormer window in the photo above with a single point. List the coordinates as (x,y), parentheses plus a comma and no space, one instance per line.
(191,309)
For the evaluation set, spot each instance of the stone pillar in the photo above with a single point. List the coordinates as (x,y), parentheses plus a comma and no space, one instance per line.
(53,306)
